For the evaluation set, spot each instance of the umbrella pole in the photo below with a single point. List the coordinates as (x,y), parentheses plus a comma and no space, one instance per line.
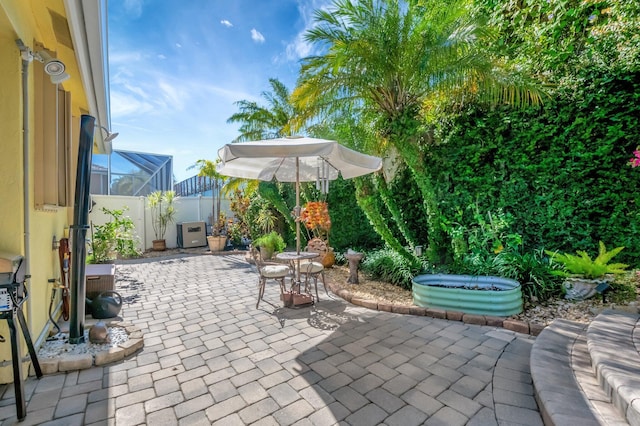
(297,210)
(297,205)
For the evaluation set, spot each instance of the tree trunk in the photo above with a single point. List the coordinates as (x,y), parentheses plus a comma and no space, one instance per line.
(218,201)
(412,156)
(396,214)
(365,197)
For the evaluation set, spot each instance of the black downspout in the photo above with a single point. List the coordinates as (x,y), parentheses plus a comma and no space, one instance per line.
(79,229)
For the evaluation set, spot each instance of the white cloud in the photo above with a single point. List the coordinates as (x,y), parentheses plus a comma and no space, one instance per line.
(256,36)
(172,96)
(133,8)
(180,108)
(124,57)
(125,105)
(136,90)
(230,94)
(299,47)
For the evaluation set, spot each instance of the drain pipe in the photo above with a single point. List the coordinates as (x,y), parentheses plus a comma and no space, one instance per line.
(79,229)
(26,59)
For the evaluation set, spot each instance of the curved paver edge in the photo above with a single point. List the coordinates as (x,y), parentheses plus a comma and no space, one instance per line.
(524,327)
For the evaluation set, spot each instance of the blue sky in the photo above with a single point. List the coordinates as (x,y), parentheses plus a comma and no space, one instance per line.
(177,67)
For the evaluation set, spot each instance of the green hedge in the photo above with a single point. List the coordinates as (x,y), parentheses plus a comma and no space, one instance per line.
(562,173)
(350,228)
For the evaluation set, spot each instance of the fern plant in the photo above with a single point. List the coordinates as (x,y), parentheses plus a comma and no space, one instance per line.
(582,264)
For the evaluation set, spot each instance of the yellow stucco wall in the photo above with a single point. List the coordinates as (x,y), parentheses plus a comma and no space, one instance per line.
(29,21)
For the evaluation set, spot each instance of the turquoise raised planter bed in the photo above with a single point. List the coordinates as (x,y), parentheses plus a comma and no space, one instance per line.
(470,294)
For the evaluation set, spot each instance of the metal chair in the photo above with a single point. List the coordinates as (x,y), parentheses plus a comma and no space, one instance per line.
(310,268)
(268,271)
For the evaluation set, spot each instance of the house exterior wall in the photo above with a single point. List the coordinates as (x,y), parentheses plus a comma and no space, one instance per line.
(30,21)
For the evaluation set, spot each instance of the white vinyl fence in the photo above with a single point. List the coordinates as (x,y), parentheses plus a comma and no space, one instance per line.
(188,209)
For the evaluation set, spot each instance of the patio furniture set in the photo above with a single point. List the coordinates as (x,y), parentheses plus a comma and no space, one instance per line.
(300,268)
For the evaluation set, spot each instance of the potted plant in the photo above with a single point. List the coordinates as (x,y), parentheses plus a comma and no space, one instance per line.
(316,219)
(270,243)
(218,238)
(583,274)
(239,230)
(236,235)
(162,214)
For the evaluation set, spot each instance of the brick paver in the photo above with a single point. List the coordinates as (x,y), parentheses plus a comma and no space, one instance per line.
(210,357)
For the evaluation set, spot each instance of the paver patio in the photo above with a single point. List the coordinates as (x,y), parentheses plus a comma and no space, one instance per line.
(211,358)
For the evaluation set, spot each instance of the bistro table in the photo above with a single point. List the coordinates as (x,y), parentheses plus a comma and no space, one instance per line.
(294,259)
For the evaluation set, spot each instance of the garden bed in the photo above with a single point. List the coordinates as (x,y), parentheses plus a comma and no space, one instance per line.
(480,295)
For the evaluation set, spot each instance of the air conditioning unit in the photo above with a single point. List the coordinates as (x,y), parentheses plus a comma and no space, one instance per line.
(192,234)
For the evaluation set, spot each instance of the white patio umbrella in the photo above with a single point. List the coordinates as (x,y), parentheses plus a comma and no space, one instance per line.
(295,159)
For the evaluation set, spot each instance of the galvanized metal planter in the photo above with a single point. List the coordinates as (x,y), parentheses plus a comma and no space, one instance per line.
(480,295)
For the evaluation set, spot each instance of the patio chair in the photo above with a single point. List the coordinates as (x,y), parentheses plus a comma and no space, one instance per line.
(313,268)
(269,271)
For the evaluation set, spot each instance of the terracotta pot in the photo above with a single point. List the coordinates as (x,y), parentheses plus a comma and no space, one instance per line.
(329,258)
(159,245)
(294,299)
(216,243)
(287,298)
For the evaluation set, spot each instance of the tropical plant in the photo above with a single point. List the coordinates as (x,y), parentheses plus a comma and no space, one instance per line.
(239,205)
(482,244)
(532,270)
(315,217)
(275,120)
(258,122)
(272,193)
(577,34)
(391,60)
(389,266)
(207,168)
(162,211)
(265,220)
(113,238)
(582,264)
(236,234)
(271,242)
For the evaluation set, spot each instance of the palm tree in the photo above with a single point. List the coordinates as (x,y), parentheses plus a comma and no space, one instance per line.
(207,168)
(348,127)
(257,122)
(391,59)
(266,122)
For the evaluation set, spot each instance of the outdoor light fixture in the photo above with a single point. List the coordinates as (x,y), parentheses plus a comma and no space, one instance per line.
(110,136)
(52,66)
(57,79)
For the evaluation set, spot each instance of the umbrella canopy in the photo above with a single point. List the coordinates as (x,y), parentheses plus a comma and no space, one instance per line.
(294,159)
(276,158)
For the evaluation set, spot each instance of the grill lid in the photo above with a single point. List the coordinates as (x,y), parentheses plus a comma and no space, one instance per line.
(12,268)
